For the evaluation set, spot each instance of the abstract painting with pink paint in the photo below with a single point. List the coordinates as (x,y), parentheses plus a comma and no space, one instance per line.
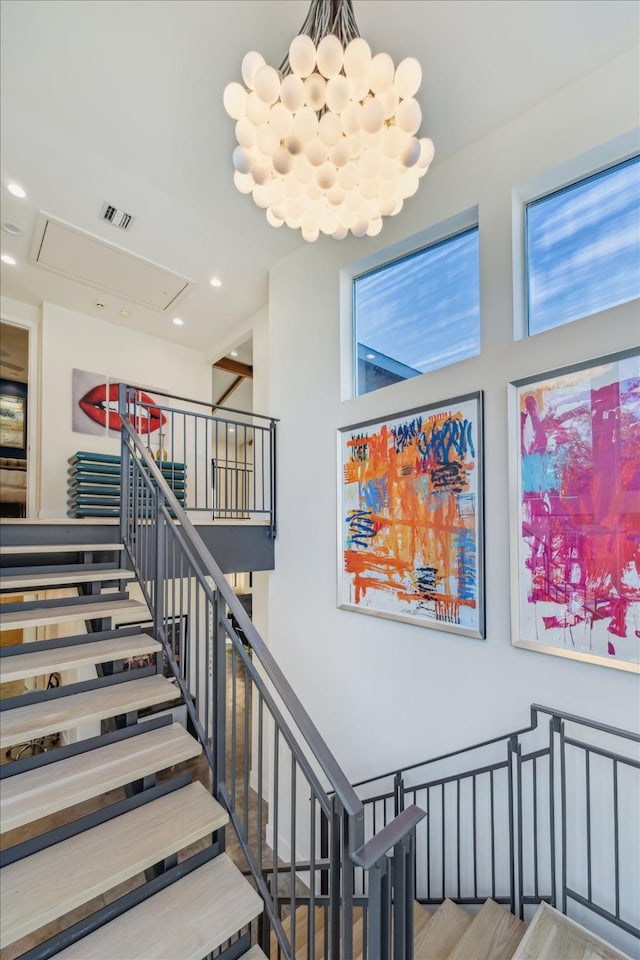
(579,511)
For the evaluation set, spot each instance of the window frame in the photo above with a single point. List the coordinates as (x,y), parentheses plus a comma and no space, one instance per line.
(578,169)
(406,249)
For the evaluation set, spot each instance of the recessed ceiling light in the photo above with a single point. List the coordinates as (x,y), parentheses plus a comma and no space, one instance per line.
(215,282)
(231,429)
(125,314)
(178,321)
(234,353)
(370,356)
(16,190)
(12,228)
(8,259)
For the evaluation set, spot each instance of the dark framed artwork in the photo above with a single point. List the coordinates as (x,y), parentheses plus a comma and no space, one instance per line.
(410,516)
(177,632)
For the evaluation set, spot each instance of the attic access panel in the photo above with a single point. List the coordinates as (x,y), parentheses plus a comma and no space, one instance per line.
(80,256)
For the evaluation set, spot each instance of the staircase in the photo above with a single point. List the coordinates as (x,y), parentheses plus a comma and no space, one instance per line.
(113,848)
(453,933)
(110,848)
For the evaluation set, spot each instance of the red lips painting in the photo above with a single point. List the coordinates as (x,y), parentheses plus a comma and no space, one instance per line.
(100,405)
(95,406)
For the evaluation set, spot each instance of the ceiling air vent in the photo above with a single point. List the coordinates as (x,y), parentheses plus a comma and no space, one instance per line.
(117,217)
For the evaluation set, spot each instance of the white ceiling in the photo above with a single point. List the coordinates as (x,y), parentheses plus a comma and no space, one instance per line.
(121,101)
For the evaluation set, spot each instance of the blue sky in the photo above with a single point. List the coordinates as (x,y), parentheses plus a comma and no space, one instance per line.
(424,311)
(583,247)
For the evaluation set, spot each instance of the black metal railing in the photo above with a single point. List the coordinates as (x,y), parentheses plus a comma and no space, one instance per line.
(545,813)
(281,785)
(220,463)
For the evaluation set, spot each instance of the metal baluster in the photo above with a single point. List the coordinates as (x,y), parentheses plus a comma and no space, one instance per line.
(493,838)
(458,838)
(475,841)
(616,839)
(563,795)
(311,929)
(292,879)
(535,825)
(247,737)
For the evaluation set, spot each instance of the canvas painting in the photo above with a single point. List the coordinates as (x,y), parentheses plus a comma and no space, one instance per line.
(95,406)
(12,421)
(576,532)
(89,403)
(410,517)
(148,418)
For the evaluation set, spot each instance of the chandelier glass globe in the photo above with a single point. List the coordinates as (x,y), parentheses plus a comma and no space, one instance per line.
(328,143)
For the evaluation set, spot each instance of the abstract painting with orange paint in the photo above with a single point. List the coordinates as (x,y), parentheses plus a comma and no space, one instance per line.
(411,517)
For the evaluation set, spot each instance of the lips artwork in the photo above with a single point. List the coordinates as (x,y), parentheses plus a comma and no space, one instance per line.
(100,404)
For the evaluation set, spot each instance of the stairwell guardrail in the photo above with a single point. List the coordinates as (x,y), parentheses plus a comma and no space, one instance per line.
(219,460)
(269,765)
(548,812)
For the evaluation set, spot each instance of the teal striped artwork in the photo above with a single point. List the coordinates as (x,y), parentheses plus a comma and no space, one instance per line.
(93,483)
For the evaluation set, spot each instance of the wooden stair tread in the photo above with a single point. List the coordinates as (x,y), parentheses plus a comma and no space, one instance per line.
(8,550)
(71,612)
(302,932)
(70,658)
(552,934)
(188,919)
(29,796)
(439,936)
(50,883)
(22,724)
(421,917)
(493,934)
(32,581)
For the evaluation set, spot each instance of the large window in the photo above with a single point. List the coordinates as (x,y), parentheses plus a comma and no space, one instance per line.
(418,313)
(583,247)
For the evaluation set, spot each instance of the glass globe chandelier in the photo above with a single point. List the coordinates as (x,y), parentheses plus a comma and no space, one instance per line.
(328,143)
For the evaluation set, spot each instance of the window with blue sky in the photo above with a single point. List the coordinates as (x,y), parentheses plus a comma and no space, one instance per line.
(583,247)
(418,313)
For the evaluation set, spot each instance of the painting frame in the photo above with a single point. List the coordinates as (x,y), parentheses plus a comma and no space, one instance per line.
(557,552)
(13,420)
(420,594)
(177,634)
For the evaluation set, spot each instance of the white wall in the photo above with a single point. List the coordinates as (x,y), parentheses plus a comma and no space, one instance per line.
(385,693)
(71,341)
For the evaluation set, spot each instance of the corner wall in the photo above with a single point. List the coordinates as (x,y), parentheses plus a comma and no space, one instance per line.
(385,693)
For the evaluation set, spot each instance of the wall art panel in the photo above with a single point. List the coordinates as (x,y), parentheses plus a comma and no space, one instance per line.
(410,517)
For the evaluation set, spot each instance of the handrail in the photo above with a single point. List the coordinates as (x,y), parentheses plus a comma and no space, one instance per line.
(200,403)
(514,795)
(210,645)
(339,782)
(389,837)
(535,709)
(585,722)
